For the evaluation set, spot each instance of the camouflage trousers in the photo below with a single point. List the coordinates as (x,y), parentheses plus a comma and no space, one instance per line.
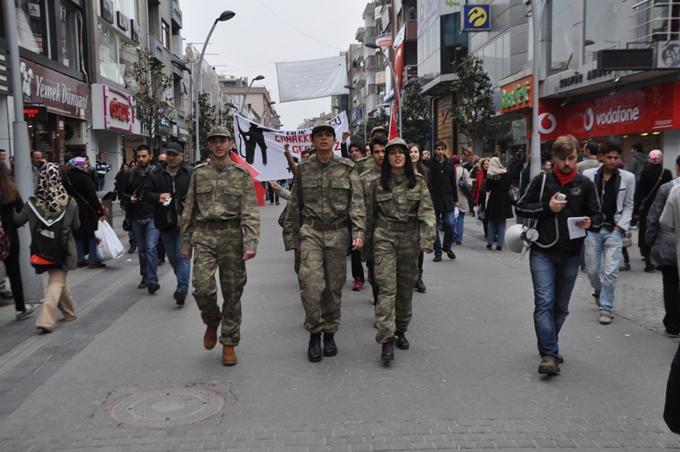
(220,250)
(395,256)
(323,272)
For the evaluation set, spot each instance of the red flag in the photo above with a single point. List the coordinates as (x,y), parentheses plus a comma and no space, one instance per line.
(259,189)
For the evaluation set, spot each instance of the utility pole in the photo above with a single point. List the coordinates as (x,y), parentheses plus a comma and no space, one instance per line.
(23,174)
(535,167)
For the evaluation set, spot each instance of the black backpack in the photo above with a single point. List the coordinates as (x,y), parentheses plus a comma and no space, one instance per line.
(48,246)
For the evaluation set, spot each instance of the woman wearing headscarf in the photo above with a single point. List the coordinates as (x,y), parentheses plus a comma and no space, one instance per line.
(10,200)
(652,177)
(81,187)
(400,222)
(498,205)
(50,205)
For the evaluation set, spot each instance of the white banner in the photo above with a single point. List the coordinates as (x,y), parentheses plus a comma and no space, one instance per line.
(262,147)
(312,79)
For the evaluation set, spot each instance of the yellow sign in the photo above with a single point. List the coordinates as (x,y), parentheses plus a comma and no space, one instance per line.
(476,18)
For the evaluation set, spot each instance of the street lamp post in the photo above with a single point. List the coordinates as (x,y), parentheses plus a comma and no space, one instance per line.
(394,77)
(250,85)
(225,16)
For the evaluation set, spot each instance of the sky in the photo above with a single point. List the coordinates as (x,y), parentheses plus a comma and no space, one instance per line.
(265,32)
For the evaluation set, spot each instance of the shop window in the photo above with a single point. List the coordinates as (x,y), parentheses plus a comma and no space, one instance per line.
(71,23)
(165,34)
(454,42)
(117,56)
(126,7)
(566,34)
(32,26)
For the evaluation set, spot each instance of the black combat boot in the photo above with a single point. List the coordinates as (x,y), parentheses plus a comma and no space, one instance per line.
(329,347)
(314,350)
(420,286)
(402,342)
(387,355)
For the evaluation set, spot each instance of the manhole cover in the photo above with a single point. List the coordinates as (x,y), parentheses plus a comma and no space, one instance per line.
(167,407)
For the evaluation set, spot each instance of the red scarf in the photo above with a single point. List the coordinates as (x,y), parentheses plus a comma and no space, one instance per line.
(564,179)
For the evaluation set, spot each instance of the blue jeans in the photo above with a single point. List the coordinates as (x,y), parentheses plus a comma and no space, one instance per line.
(603,256)
(173,249)
(495,228)
(91,249)
(449,223)
(553,278)
(460,222)
(146,236)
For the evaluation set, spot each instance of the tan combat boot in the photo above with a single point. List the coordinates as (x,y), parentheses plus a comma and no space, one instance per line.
(229,355)
(210,337)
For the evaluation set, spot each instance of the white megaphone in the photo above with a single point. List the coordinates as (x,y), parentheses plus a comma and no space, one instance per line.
(519,237)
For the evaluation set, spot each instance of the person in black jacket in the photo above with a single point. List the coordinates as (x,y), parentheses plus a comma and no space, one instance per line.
(498,205)
(166,188)
(555,257)
(652,177)
(81,187)
(140,212)
(444,197)
(671,412)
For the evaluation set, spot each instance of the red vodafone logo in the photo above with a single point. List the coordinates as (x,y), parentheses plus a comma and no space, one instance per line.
(119,111)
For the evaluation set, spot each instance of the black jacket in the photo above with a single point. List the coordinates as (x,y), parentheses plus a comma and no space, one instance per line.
(499,205)
(133,184)
(160,181)
(80,186)
(581,201)
(652,177)
(443,184)
(671,412)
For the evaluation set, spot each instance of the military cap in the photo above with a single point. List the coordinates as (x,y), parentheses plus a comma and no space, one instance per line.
(322,125)
(219,132)
(396,142)
(379,129)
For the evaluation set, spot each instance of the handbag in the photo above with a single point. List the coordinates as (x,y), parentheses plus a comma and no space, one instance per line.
(514,194)
(282,217)
(5,243)
(109,245)
(627,239)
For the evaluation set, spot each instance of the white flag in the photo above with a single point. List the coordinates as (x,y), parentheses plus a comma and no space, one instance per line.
(311,79)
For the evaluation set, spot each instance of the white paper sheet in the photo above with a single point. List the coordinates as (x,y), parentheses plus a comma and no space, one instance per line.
(574,231)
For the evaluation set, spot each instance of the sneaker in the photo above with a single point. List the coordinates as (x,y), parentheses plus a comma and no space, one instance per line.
(499,248)
(30,308)
(548,366)
(458,242)
(451,254)
(624,268)
(437,259)
(180,296)
(605,318)
(649,269)
(142,285)
(132,249)
(489,246)
(358,284)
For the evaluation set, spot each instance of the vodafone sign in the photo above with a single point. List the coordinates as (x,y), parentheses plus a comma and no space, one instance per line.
(643,110)
(113,109)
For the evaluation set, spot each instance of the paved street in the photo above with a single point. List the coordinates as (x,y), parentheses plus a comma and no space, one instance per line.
(131,374)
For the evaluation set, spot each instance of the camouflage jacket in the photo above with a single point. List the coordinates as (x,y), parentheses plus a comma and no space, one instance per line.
(328,193)
(226,195)
(402,205)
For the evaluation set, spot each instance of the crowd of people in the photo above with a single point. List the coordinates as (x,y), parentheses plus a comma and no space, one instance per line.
(385,205)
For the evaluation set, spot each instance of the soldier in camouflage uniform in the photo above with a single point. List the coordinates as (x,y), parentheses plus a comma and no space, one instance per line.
(326,197)
(370,174)
(400,223)
(222,223)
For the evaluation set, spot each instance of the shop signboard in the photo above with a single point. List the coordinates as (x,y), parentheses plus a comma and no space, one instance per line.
(60,93)
(476,18)
(516,95)
(643,110)
(113,109)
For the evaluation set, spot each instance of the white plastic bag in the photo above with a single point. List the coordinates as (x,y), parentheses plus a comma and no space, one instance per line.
(108,245)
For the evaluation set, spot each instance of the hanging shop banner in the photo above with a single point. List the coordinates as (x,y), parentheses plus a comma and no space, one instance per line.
(516,95)
(60,93)
(312,79)
(261,148)
(476,18)
(642,110)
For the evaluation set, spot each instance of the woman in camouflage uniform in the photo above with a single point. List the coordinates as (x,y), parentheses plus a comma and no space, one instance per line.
(401,223)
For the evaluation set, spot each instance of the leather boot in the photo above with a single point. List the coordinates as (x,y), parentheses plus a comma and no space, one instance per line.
(329,347)
(387,352)
(420,286)
(210,337)
(314,350)
(402,342)
(229,355)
